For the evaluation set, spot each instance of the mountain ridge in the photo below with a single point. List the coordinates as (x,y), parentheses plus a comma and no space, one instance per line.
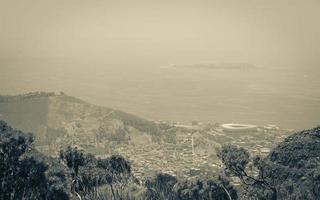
(53,117)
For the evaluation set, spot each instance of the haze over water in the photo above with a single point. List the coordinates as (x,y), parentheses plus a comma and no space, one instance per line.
(281,96)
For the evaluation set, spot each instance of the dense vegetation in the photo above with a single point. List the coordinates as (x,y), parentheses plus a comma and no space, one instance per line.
(27,174)
(291,171)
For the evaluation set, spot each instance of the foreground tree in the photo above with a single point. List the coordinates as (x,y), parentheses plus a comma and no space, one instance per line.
(161,187)
(13,145)
(74,158)
(117,173)
(167,187)
(24,172)
(90,174)
(219,189)
(236,160)
(290,171)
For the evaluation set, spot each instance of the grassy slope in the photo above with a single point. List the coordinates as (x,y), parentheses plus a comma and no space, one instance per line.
(50,115)
(28,115)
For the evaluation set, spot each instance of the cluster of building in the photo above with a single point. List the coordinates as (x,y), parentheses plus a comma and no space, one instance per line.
(192,154)
(185,157)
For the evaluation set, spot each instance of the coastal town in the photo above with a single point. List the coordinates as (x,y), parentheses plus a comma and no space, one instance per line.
(193,153)
(189,152)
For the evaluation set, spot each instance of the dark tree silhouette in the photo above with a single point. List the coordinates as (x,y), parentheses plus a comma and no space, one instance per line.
(117,172)
(160,187)
(236,160)
(219,189)
(24,172)
(290,171)
(73,158)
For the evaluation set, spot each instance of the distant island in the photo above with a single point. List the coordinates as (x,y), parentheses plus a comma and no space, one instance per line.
(225,66)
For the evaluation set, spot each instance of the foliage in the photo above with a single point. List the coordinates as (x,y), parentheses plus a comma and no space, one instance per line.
(90,174)
(298,158)
(117,173)
(167,187)
(24,172)
(235,160)
(291,171)
(160,187)
(219,189)
(73,158)
(58,179)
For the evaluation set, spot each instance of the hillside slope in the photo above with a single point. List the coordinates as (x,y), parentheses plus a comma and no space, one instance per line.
(63,120)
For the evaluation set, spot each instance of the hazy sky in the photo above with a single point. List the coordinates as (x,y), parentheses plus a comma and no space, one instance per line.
(263,32)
